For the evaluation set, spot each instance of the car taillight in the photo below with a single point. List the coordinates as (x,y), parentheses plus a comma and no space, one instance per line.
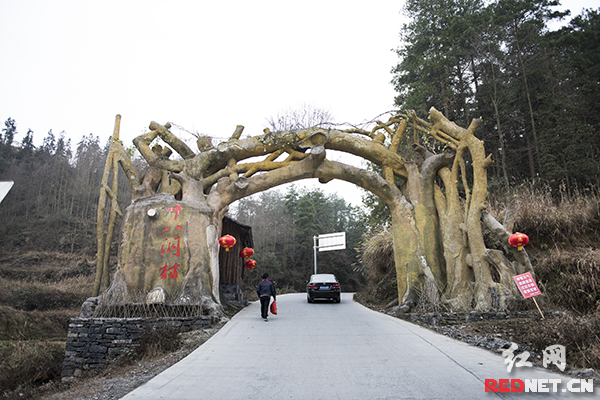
(336,286)
(312,287)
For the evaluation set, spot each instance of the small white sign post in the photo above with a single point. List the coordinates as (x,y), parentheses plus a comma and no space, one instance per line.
(329,242)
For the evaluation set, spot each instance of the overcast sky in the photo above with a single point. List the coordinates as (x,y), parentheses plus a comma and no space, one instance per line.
(204,65)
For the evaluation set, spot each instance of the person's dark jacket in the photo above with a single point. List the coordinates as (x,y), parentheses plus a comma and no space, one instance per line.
(266,288)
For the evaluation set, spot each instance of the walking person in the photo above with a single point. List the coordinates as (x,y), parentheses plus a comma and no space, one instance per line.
(265,290)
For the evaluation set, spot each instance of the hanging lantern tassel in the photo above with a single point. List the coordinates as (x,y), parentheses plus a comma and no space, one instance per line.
(250,264)
(246,253)
(518,240)
(227,241)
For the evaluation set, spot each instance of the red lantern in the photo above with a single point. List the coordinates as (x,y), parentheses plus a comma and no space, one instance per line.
(250,264)
(227,241)
(246,253)
(518,240)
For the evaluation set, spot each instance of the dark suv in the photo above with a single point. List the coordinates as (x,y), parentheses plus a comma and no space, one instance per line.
(323,286)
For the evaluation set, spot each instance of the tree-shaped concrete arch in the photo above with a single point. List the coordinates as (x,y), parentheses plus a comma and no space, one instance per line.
(438,239)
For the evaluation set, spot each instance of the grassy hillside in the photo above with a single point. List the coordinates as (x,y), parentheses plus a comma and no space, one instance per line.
(39,292)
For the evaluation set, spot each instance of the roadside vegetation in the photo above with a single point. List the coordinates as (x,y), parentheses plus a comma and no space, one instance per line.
(565,252)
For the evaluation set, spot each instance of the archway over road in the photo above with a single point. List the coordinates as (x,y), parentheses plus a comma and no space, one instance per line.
(431,174)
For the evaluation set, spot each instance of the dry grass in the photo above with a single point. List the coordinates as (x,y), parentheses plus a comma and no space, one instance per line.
(377,253)
(29,363)
(551,219)
(32,325)
(579,334)
(35,295)
(43,266)
(571,278)
(377,262)
(429,298)
(39,292)
(564,235)
(156,342)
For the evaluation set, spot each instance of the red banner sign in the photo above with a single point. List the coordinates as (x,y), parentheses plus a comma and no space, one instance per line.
(527,285)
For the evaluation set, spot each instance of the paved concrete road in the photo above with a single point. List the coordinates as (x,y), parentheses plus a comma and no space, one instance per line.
(335,351)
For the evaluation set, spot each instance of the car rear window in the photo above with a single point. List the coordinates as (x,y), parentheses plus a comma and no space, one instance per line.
(323,278)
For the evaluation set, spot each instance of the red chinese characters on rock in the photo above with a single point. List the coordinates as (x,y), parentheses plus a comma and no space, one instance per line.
(171,247)
(171,271)
(177,209)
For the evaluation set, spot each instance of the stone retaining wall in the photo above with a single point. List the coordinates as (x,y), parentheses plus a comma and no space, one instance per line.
(93,342)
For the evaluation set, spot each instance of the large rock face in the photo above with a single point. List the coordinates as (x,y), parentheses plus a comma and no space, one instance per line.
(168,253)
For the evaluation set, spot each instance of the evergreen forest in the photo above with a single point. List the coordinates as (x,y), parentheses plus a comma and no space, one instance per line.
(535,89)
(283,226)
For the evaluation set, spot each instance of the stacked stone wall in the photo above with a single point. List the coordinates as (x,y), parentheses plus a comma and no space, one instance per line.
(93,342)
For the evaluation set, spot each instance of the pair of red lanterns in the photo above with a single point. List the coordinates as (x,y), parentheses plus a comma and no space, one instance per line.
(229,241)
(246,253)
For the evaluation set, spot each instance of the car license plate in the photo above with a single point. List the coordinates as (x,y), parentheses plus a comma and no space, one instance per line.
(324,287)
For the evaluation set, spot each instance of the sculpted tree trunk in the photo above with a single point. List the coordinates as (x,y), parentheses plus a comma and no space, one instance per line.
(469,265)
(164,256)
(459,276)
(169,248)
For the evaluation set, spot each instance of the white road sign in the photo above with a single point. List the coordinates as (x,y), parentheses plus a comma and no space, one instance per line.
(332,241)
(4,188)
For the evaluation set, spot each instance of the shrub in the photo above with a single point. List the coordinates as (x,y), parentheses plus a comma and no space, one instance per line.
(377,253)
(377,262)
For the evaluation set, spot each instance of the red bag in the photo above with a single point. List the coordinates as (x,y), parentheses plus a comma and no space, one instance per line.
(274,308)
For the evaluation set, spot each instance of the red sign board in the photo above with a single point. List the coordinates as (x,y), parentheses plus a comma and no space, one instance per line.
(527,285)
